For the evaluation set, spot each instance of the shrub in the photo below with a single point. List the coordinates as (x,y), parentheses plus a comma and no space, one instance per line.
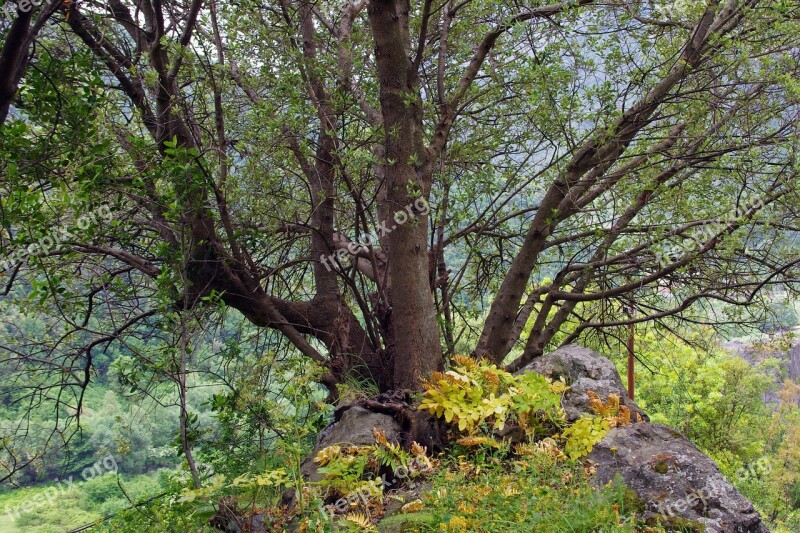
(479,399)
(477,394)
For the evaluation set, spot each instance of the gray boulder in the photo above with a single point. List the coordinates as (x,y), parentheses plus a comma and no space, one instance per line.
(680,487)
(353,428)
(584,371)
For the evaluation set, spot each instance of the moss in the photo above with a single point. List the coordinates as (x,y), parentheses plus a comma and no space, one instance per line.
(633,503)
(662,467)
(407,522)
(663,462)
(677,523)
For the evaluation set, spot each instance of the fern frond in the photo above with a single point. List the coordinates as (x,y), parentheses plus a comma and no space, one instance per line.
(465,361)
(380,436)
(361,520)
(478,441)
(413,507)
(326,455)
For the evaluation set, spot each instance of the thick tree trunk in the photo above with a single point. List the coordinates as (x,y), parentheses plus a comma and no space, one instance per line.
(12,57)
(418,349)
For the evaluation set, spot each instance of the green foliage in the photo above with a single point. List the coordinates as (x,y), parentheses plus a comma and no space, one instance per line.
(352,469)
(583,434)
(347,470)
(479,399)
(86,502)
(715,399)
(478,395)
(353,388)
(265,420)
(103,488)
(533,493)
(588,430)
(781,315)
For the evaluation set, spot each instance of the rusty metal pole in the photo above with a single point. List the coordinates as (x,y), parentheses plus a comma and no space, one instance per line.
(631,357)
(631,360)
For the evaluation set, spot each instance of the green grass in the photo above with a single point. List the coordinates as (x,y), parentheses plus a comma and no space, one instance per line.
(84,503)
(518,494)
(67,510)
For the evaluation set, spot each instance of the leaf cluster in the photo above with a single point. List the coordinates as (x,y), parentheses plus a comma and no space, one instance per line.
(350,469)
(477,395)
(588,430)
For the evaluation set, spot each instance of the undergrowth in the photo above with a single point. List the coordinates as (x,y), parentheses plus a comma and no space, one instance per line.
(530,493)
(514,464)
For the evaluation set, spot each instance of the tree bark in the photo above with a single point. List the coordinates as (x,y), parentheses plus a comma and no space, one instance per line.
(418,350)
(12,58)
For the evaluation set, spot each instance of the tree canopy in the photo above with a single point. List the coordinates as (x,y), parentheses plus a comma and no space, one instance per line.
(385,183)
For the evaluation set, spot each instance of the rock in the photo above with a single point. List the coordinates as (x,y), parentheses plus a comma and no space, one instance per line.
(679,485)
(354,428)
(398,498)
(230,519)
(584,371)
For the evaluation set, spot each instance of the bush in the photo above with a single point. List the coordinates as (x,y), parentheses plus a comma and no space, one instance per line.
(68,512)
(477,395)
(100,489)
(714,398)
(113,506)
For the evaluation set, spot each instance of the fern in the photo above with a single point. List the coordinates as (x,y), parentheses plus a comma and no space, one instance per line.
(361,520)
(584,434)
(589,430)
(478,441)
(475,394)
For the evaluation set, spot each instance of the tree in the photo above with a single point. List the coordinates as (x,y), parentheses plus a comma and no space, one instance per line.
(552,163)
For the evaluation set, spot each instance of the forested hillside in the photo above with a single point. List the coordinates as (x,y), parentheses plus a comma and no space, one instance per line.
(257,255)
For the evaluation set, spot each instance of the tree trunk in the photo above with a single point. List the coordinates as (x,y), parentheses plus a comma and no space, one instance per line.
(418,350)
(12,56)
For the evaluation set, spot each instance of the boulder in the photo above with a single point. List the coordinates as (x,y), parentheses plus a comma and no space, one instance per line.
(679,485)
(584,371)
(230,519)
(354,427)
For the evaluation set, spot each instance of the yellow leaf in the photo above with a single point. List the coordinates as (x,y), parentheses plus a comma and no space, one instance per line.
(478,441)
(361,520)
(413,507)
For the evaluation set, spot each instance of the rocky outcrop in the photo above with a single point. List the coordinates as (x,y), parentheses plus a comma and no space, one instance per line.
(679,485)
(584,371)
